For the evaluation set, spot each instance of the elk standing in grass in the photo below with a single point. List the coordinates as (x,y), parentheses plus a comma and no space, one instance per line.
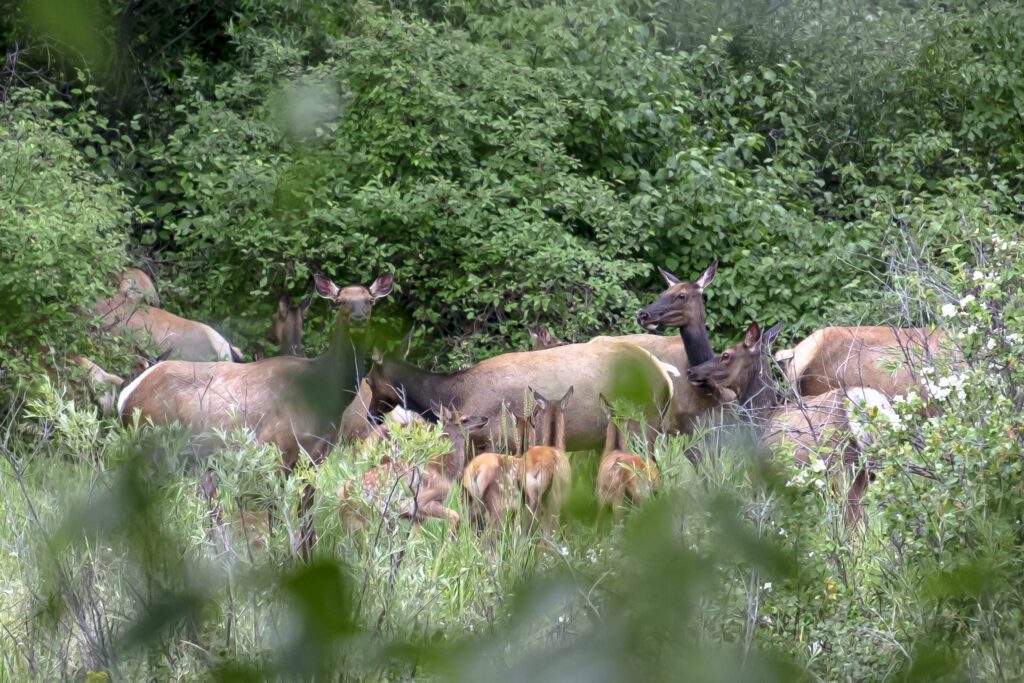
(493,482)
(429,486)
(622,476)
(547,475)
(294,403)
(825,424)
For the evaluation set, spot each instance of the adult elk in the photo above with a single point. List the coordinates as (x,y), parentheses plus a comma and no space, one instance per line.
(293,403)
(622,476)
(615,369)
(184,339)
(886,359)
(681,306)
(136,285)
(825,424)
(101,385)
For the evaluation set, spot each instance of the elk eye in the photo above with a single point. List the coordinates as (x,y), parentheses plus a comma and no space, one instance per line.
(726,357)
(681,297)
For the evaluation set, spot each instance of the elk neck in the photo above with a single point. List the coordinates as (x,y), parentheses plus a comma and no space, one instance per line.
(696,342)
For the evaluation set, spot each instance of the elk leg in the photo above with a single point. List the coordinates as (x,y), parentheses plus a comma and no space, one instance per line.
(307,530)
(854,513)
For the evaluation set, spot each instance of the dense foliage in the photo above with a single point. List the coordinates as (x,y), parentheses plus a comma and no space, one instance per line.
(516,162)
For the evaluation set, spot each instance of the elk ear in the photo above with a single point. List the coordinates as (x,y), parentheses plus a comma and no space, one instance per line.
(403,348)
(564,401)
(753,336)
(325,287)
(381,287)
(304,304)
(542,403)
(376,356)
(769,337)
(284,302)
(708,276)
(671,279)
(534,334)
(472,422)
(437,409)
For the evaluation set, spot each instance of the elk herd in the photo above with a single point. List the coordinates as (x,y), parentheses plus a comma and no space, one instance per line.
(511,420)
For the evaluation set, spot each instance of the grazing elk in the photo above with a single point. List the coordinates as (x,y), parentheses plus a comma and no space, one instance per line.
(547,475)
(622,476)
(185,339)
(136,285)
(286,324)
(823,424)
(885,359)
(543,339)
(294,403)
(492,482)
(680,306)
(428,487)
(614,369)
(100,384)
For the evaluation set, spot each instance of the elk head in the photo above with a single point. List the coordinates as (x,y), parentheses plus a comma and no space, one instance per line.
(679,306)
(543,339)
(286,324)
(549,419)
(731,375)
(355,303)
(456,428)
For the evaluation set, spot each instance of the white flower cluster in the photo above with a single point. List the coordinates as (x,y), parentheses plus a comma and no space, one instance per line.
(944,387)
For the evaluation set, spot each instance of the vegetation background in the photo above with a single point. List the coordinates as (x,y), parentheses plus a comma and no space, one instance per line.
(514,162)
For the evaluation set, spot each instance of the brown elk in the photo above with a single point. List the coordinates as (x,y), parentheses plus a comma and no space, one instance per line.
(294,403)
(622,476)
(136,285)
(886,359)
(614,369)
(547,475)
(680,306)
(428,487)
(286,324)
(185,339)
(101,385)
(543,339)
(823,424)
(492,483)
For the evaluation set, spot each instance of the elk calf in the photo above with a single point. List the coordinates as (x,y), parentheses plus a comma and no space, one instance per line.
(622,476)
(547,475)
(492,482)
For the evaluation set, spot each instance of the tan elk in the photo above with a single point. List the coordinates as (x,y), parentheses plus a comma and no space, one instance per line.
(614,369)
(543,339)
(622,477)
(293,403)
(413,492)
(128,314)
(547,475)
(681,307)
(136,285)
(825,424)
(886,359)
(492,482)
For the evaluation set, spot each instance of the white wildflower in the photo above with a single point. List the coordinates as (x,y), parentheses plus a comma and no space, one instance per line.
(977,275)
(972,329)
(967,299)
(990,343)
(948,310)
(767,587)
(818,466)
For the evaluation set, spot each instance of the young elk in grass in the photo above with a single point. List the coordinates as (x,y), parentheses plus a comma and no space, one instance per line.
(493,482)
(622,476)
(428,487)
(824,424)
(547,475)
